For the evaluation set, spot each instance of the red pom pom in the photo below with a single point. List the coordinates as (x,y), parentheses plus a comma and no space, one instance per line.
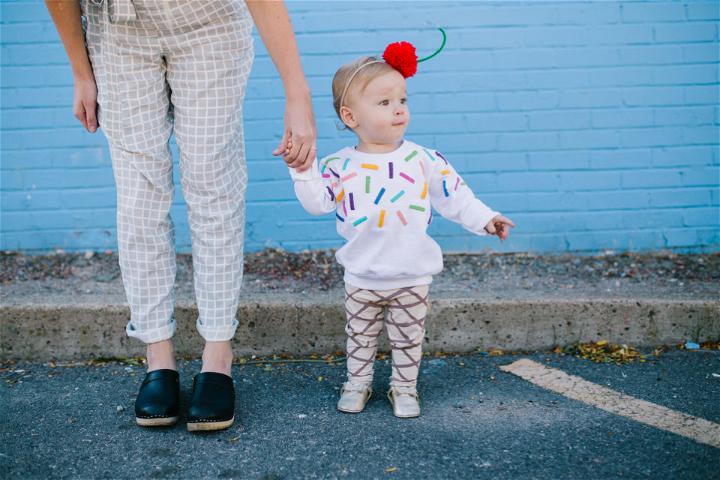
(401,56)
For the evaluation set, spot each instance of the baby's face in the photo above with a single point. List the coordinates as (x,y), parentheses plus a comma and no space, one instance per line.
(381,112)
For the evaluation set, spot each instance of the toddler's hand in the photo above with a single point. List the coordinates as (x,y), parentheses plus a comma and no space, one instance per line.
(499,226)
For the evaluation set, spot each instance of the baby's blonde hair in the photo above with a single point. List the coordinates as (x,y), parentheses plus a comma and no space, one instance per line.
(359,73)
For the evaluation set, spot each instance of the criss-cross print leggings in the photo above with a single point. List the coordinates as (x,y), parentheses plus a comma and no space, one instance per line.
(182,66)
(405,322)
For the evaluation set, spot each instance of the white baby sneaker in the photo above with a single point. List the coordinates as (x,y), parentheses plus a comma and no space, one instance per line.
(353,397)
(405,402)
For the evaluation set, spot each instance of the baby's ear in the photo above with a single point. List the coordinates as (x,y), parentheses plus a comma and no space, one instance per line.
(347,117)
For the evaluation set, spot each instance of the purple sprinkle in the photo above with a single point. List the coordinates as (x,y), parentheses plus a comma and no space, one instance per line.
(332,195)
(390,166)
(352,202)
(333,172)
(440,155)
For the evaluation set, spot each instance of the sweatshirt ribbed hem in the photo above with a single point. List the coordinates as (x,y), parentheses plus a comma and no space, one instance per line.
(367,283)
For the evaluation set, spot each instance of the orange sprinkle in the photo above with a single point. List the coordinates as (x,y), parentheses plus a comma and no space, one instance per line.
(382,218)
(369,166)
(340,196)
(424,192)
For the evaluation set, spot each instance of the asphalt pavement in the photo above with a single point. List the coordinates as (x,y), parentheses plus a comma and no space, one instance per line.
(477,422)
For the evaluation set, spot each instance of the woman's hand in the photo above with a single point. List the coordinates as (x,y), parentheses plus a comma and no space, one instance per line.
(298,144)
(499,226)
(85,103)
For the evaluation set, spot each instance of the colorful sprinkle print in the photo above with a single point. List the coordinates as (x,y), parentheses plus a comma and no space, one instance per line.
(418,208)
(444,172)
(410,157)
(407,177)
(339,217)
(348,177)
(333,172)
(401,217)
(326,162)
(352,201)
(367,184)
(347,160)
(440,155)
(332,195)
(432,158)
(381,221)
(457,183)
(379,195)
(369,166)
(397,195)
(390,169)
(359,221)
(447,194)
(425,190)
(340,196)
(344,207)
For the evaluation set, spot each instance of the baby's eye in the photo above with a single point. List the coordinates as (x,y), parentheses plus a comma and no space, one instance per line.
(404,100)
(385,102)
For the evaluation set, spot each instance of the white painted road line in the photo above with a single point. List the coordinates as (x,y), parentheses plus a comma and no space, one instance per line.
(695,428)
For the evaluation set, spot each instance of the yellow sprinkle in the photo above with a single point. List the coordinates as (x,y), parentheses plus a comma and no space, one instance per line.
(382,218)
(369,166)
(340,196)
(444,172)
(424,192)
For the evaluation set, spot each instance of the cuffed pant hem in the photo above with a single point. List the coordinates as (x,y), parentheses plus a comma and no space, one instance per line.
(217,334)
(151,336)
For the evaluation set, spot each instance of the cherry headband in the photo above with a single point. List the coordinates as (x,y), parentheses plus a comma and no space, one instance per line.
(399,55)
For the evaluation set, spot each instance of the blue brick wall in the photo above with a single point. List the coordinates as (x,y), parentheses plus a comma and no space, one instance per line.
(594,125)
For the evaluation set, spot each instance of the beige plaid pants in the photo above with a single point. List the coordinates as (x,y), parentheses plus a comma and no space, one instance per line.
(406,311)
(182,66)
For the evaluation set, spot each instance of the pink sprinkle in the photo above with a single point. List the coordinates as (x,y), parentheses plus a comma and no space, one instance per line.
(457,183)
(422,168)
(401,217)
(344,207)
(326,175)
(409,179)
(348,177)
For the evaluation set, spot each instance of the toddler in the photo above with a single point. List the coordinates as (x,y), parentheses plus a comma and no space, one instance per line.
(382,191)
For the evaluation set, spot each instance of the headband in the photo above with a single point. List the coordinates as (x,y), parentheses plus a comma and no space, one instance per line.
(399,55)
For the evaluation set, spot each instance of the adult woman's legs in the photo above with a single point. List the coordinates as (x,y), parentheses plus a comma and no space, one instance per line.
(207,71)
(135,115)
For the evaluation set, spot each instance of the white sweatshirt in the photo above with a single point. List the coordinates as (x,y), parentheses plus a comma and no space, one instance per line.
(382,202)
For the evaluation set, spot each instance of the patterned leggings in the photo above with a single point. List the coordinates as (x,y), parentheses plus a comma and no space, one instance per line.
(406,311)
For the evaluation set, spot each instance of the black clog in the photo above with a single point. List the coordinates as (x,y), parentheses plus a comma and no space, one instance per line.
(158,400)
(212,406)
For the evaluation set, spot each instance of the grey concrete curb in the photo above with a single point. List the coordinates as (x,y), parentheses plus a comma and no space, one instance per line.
(301,326)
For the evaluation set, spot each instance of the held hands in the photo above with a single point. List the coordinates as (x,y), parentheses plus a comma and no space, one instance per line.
(499,226)
(297,145)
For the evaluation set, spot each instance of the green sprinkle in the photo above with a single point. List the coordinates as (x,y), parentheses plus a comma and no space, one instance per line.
(399,194)
(367,184)
(359,221)
(428,154)
(418,208)
(409,157)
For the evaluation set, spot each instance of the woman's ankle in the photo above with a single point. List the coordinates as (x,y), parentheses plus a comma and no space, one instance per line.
(161,355)
(217,357)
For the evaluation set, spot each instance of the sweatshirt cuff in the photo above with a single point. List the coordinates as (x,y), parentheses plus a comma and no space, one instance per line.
(482,218)
(310,174)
